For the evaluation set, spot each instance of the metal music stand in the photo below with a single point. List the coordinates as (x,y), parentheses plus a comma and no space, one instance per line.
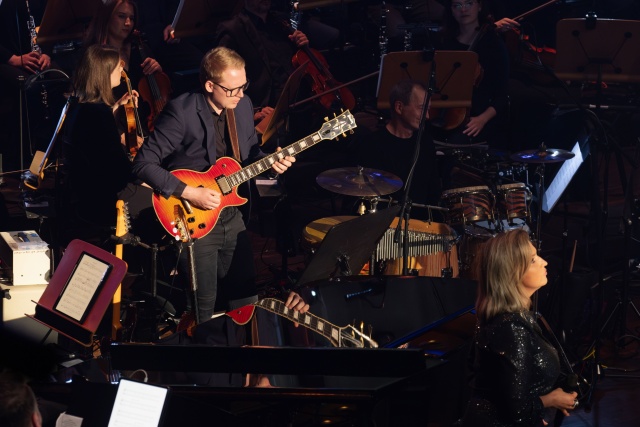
(600,50)
(65,20)
(454,76)
(348,246)
(201,17)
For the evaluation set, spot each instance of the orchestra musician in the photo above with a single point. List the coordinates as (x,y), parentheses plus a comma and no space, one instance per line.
(469,26)
(516,370)
(392,148)
(96,166)
(114,25)
(259,35)
(20,57)
(192,132)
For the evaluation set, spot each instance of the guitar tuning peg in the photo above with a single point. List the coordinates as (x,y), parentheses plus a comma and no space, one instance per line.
(344,134)
(326,119)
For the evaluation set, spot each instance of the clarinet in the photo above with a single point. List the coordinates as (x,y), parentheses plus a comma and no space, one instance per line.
(382,37)
(33,39)
(33,35)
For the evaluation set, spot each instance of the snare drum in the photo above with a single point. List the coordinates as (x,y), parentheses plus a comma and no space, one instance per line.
(514,201)
(468,204)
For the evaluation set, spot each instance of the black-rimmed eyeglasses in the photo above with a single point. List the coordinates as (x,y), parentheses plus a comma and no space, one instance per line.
(235,91)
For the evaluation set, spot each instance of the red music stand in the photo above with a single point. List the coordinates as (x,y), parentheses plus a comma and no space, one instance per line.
(455,71)
(80,291)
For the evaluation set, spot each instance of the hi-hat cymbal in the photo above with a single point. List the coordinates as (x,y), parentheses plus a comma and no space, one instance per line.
(542,155)
(361,182)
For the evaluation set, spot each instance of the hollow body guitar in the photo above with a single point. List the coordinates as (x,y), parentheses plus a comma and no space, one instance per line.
(226,175)
(346,336)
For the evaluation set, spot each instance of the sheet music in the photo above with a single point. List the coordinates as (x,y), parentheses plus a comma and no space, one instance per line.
(82,286)
(137,405)
(562,179)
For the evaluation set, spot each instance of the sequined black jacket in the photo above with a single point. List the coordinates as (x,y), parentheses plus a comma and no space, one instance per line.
(512,365)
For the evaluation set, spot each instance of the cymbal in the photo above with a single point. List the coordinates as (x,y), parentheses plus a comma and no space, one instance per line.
(542,155)
(362,182)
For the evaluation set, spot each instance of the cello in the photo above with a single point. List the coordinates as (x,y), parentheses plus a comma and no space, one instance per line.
(155,89)
(323,81)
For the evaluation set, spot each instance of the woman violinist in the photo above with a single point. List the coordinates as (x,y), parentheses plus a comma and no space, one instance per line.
(468,26)
(114,25)
(96,168)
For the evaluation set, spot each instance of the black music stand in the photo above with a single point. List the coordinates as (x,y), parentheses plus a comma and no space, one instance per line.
(348,246)
(607,52)
(454,75)
(65,20)
(201,17)
(601,50)
(270,124)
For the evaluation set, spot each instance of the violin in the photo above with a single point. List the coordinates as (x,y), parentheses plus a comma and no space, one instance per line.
(134,126)
(155,89)
(323,81)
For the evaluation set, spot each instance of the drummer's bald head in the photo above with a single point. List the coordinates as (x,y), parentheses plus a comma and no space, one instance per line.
(401,92)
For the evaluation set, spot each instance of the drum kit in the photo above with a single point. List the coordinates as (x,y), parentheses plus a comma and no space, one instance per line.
(472,215)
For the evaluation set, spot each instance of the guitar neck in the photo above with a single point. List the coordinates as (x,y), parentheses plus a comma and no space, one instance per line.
(266,162)
(308,320)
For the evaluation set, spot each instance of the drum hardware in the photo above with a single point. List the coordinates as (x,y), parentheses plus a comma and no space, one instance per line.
(359,181)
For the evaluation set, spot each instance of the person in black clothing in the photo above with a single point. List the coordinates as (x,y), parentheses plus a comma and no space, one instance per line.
(20,57)
(96,166)
(515,369)
(114,25)
(393,147)
(469,26)
(192,132)
(262,38)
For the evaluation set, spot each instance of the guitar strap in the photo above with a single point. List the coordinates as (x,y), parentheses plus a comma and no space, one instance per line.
(233,134)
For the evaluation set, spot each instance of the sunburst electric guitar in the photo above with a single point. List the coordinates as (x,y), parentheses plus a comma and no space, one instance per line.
(226,175)
(346,336)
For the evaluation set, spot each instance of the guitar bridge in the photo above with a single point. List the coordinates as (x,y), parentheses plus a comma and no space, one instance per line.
(223,184)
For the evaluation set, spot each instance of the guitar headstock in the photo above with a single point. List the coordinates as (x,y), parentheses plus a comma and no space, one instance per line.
(337,126)
(123,219)
(180,228)
(351,337)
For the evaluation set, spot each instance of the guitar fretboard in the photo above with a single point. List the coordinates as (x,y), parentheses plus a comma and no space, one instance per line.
(329,130)
(308,320)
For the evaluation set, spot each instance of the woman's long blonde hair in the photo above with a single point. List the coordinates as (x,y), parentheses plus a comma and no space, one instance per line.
(500,265)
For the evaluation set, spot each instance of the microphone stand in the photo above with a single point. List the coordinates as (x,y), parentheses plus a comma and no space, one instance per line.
(405,210)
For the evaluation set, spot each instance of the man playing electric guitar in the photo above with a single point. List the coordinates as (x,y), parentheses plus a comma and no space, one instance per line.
(192,132)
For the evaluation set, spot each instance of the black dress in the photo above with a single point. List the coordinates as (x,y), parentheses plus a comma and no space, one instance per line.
(512,364)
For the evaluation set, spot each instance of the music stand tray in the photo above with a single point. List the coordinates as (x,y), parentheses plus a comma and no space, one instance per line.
(270,124)
(348,246)
(201,17)
(65,20)
(455,71)
(607,52)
